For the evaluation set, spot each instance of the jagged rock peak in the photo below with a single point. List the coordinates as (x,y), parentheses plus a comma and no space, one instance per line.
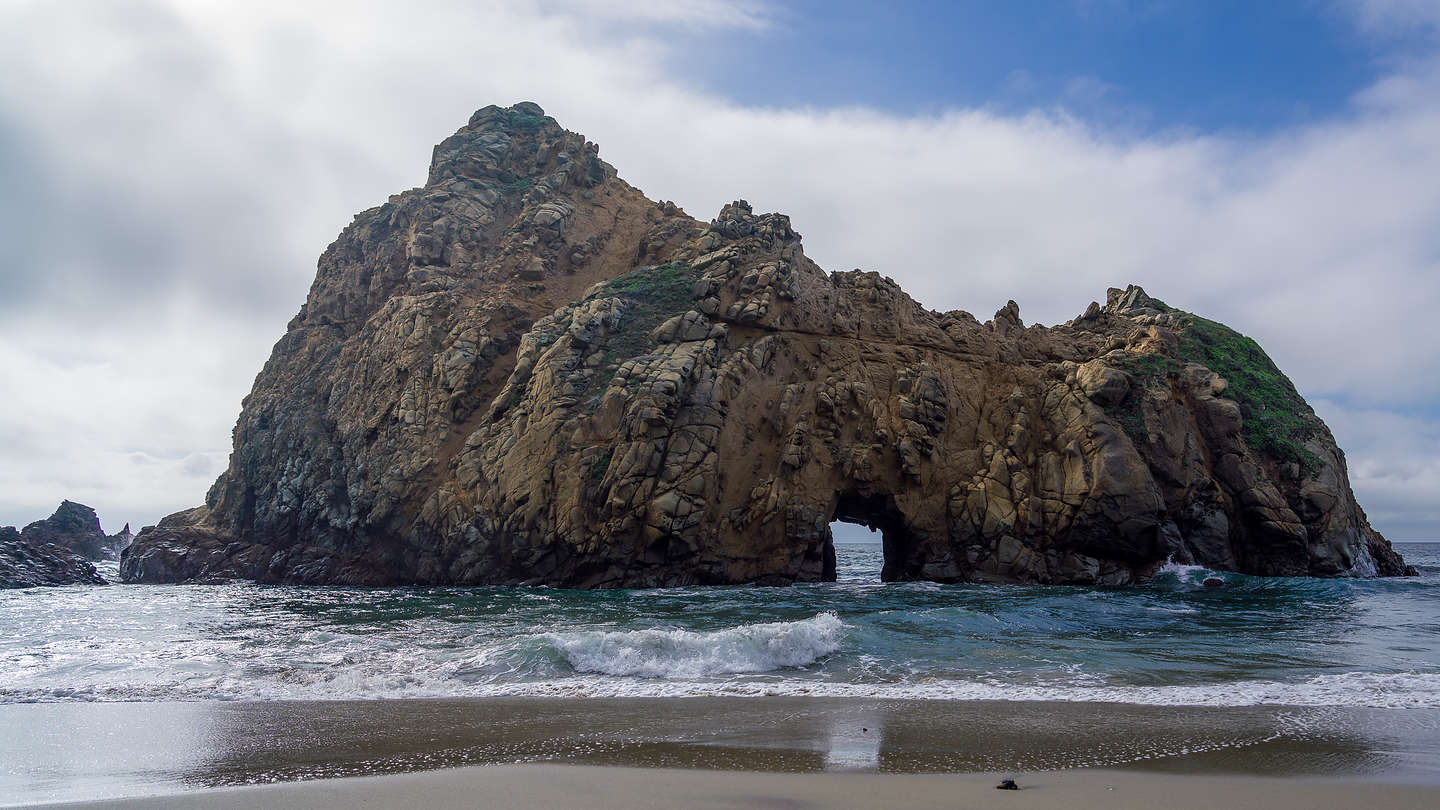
(73,527)
(508,145)
(528,372)
(1132,301)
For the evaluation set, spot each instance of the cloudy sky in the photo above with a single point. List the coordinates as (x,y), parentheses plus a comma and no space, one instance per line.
(171,169)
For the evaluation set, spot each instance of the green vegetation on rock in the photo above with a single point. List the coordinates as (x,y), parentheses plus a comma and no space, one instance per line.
(600,467)
(1277,421)
(1148,371)
(524,121)
(515,186)
(652,295)
(666,285)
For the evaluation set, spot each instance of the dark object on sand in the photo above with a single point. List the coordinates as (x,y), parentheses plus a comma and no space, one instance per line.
(1007,784)
(1213,582)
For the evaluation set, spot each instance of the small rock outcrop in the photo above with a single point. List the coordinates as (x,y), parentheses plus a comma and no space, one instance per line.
(27,564)
(527,372)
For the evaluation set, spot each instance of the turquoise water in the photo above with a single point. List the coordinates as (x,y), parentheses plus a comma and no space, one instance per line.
(1255,641)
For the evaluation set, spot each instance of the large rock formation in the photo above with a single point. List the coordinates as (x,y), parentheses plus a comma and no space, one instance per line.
(527,372)
(27,564)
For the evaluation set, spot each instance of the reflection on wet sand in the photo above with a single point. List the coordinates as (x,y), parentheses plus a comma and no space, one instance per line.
(76,751)
(856,738)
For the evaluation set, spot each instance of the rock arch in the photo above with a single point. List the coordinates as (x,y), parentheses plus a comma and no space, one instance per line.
(899,542)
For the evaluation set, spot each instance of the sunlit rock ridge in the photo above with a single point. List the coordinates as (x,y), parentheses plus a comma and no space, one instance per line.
(527,372)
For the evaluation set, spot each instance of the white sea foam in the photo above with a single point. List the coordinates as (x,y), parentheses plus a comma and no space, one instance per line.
(1364,563)
(1415,690)
(687,654)
(1353,690)
(1184,574)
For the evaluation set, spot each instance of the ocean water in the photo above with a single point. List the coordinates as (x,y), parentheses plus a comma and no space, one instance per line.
(1369,644)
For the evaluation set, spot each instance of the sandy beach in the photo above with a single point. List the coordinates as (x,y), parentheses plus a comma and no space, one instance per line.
(565,787)
(712,752)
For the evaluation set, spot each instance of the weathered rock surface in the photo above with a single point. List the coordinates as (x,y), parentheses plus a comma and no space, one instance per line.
(527,372)
(75,528)
(28,564)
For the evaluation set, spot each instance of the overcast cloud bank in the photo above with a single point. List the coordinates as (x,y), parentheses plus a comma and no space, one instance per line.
(169,173)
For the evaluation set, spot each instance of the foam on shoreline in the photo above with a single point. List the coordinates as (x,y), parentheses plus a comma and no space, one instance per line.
(1340,690)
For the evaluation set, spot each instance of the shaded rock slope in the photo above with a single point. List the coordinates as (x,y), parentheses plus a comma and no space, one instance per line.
(527,372)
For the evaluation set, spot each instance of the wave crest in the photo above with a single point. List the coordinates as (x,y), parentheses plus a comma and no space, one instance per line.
(657,653)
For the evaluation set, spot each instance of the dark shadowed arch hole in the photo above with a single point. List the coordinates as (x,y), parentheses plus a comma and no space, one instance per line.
(878,514)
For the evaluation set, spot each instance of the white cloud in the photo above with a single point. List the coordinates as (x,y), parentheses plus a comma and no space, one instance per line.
(131,417)
(1392,17)
(179,167)
(696,14)
(1394,464)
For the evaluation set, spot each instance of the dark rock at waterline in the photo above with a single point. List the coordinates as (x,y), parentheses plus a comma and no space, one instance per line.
(25,563)
(1213,582)
(526,372)
(176,550)
(1007,784)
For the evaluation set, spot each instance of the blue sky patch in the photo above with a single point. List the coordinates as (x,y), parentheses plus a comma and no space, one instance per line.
(1221,65)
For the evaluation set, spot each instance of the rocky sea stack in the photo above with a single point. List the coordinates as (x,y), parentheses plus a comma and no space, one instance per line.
(58,550)
(75,528)
(527,372)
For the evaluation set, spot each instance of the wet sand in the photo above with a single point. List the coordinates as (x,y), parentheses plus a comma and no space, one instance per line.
(780,752)
(567,787)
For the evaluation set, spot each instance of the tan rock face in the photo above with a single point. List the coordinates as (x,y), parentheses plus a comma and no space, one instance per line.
(527,372)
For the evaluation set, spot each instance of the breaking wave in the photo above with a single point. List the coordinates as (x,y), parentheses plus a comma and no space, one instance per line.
(689,654)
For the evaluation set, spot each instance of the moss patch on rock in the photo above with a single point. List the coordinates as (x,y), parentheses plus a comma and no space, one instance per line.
(517,186)
(525,122)
(1277,421)
(1147,371)
(652,295)
(600,466)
